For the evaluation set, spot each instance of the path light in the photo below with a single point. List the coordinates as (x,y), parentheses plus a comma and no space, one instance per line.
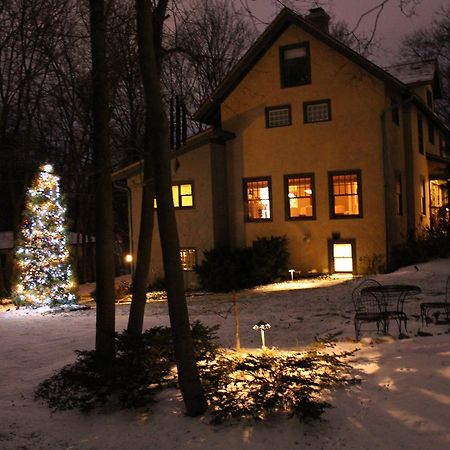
(262,326)
(292,271)
(129,260)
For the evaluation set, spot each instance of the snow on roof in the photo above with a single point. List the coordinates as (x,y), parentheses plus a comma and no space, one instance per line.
(414,72)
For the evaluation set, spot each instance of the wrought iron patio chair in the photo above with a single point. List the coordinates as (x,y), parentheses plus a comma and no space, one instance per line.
(368,307)
(425,307)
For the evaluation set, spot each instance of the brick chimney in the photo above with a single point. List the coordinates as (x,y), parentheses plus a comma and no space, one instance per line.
(319,18)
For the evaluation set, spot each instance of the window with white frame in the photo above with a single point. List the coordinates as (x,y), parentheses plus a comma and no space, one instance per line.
(278,116)
(317,111)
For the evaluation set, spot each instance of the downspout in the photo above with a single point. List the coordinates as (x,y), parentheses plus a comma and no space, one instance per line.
(130,223)
(387,208)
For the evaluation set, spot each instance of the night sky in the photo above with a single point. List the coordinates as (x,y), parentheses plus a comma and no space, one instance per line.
(392,25)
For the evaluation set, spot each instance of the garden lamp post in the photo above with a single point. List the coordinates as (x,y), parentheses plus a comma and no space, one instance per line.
(262,327)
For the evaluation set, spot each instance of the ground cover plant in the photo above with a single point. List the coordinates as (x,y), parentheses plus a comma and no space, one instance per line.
(142,366)
(237,385)
(255,385)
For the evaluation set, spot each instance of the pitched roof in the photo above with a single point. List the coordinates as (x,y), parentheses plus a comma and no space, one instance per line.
(210,108)
(413,72)
(416,73)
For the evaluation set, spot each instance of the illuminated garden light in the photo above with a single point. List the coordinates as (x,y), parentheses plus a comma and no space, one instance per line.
(43,272)
(292,271)
(262,327)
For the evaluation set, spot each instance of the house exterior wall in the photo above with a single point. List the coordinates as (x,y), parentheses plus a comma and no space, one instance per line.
(419,170)
(351,140)
(195,225)
(362,136)
(396,168)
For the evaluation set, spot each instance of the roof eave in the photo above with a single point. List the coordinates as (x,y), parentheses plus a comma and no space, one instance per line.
(211,135)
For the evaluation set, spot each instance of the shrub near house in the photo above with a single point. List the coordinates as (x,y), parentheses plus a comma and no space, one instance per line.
(226,268)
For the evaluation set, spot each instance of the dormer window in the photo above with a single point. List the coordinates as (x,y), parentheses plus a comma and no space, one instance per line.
(295,65)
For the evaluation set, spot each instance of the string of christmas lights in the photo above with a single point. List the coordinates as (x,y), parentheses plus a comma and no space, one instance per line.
(43,272)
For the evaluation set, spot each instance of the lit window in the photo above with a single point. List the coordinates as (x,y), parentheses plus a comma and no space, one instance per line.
(295,65)
(300,196)
(399,194)
(319,111)
(257,196)
(343,257)
(345,193)
(183,196)
(438,193)
(188,258)
(278,116)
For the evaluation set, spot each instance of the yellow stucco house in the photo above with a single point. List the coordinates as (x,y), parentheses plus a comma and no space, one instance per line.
(310,140)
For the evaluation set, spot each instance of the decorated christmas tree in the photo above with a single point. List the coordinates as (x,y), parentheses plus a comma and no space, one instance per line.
(43,272)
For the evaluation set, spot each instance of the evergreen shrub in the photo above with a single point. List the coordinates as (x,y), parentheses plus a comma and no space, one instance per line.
(226,268)
(257,385)
(142,366)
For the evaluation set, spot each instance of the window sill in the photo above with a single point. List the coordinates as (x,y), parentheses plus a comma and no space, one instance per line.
(347,216)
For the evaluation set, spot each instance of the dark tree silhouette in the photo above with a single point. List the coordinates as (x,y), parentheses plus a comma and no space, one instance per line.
(105,324)
(150,21)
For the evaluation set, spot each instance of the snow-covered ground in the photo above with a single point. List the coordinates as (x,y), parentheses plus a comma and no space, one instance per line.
(403,401)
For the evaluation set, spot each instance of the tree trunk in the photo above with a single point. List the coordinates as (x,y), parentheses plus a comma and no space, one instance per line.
(140,279)
(105,323)
(150,22)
